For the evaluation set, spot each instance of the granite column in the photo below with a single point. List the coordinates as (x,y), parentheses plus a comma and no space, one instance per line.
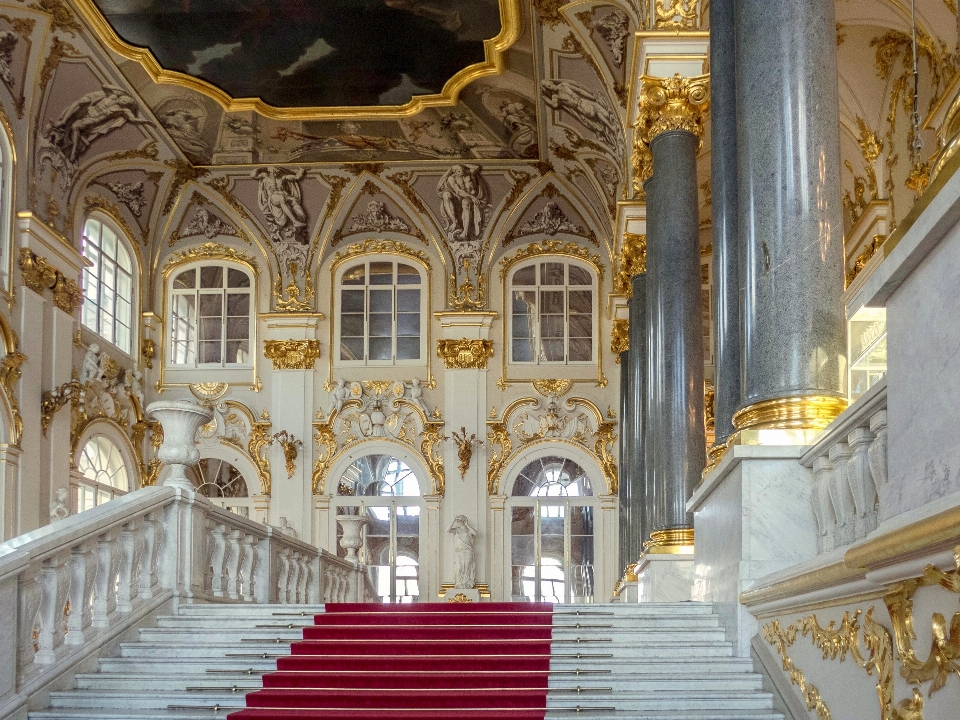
(791,248)
(627,492)
(723,180)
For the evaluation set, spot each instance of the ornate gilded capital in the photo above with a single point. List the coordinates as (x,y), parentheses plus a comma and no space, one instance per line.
(620,337)
(292,354)
(676,14)
(40,275)
(465,354)
(632,261)
(673,103)
(53,400)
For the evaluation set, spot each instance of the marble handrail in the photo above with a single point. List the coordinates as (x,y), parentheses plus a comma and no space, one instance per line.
(849,463)
(71,587)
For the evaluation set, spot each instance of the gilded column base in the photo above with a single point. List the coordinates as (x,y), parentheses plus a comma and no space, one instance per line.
(803,413)
(714,456)
(675,541)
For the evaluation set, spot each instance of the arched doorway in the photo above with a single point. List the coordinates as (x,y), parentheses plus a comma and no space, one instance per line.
(386,491)
(552,514)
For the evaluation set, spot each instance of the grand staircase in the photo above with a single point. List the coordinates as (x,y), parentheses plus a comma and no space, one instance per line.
(444,662)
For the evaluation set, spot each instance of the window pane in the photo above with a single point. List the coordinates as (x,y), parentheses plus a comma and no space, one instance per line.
(211,305)
(579,276)
(123,312)
(108,275)
(351,325)
(381,325)
(210,352)
(185,280)
(581,301)
(581,326)
(522,350)
(526,276)
(407,275)
(123,258)
(551,273)
(581,350)
(238,328)
(211,328)
(123,338)
(408,324)
(211,276)
(354,276)
(381,301)
(238,304)
(237,278)
(551,326)
(408,348)
(125,286)
(237,351)
(380,348)
(408,301)
(108,242)
(351,348)
(552,350)
(524,302)
(381,273)
(351,300)
(551,302)
(522,326)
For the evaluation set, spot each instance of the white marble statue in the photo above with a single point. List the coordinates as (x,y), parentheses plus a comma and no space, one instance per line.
(464,556)
(465,202)
(135,385)
(588,108)
(285,528)
(58,507)
(338,396)
(92,368)
(281,202)
(416,395)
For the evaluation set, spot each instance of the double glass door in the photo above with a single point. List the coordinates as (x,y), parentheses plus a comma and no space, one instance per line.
(551,551)
(391,546)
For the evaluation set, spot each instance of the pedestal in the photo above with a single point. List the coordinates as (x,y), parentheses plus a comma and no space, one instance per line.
(752,516)
(457,595)
(665,578)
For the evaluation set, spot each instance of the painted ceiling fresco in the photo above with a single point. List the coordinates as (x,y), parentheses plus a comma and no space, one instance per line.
(312,53)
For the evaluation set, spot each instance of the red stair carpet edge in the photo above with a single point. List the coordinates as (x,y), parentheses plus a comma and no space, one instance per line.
(424,661)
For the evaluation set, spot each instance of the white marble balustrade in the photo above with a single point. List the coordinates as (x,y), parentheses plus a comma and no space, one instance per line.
(849,466)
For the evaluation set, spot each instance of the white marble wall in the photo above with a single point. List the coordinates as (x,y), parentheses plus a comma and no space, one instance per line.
(752,517)
(665,578)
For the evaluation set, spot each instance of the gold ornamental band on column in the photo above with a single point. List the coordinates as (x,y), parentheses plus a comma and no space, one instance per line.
(673,541)
(805,412)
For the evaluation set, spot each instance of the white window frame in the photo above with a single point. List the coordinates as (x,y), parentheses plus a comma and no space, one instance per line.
(566,288)
(423,287)
(173,293)
(106,297)
(6,209)
(94,486)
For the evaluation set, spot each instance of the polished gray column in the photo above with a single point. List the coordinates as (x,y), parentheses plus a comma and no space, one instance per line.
(626,492)
(673,258)
(791,252)
(636,416)
(723,181)
(654,346)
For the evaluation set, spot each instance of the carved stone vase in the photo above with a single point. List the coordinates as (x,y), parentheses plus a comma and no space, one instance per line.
(351,540)
(181,419)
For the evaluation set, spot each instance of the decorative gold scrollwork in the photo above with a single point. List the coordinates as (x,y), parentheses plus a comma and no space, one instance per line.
(464,449)
(257,450)
(326,449)
(632,261)
(291,446)
(149,471)
(429,448)
(40,275)
(603,448)
(502,445)
(465,354)
(620,337)
(53,400)
(552,247)
(468,297)
(9,375)
(292,354)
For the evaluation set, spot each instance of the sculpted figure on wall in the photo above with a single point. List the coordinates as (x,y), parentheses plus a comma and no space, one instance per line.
(91,369)
(614,28)
(207,224)
(58,507)
(92,116)
(549,221)
(464,556)
(465,202)
(184,125)
(377,218)
(8,43)
(590,110)
(281,203)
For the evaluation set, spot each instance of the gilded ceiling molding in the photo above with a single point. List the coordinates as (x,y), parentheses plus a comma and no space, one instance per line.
(40,275)
(292,354)
(632,261)
(836,643)
(511,20)
(620,337)
(210,251)
(61,16)
(555,248)
(465,354)
(378,247)
(672,103)
(549,12)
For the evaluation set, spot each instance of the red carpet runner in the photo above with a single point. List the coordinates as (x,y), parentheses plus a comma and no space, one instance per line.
(427,661)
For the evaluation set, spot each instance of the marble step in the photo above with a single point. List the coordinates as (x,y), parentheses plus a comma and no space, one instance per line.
(735,714)
(640,700)
(162,666)
(215,634)
(150,681)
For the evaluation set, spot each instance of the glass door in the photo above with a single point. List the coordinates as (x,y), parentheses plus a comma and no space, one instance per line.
(551,548)
(391,547)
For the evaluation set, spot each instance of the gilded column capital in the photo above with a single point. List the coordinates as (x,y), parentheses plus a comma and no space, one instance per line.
(292,354)
(632,261)
(669,103)
(40,275)
(465,354)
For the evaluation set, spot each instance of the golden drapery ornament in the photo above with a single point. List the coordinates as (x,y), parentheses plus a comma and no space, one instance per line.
(292,354)
(40,275)
(546,388)
(632,261)
(671,103)
(465,354)
(468,297)
(149,471)
(620,337)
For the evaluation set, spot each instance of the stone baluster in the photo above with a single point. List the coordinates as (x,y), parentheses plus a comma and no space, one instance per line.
(840,493)
(284,571)
(861,483)
(823,505)
(83,566)
(328,589)
(218,549)
(29,608)
(303,589)
(131,548)
(152,531)
(54,586)
(878,450)
(105,598)
(232,564)
(293,579)
(248,567)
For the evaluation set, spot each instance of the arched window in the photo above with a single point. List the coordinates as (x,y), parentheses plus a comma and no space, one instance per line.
(210,316)
(108,285)
(223,483)
(552,314)
(552,513)
(105,475)
(6,209)
(381,306)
